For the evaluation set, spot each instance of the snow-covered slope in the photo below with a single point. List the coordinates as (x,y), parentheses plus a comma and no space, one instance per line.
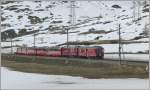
(51,17)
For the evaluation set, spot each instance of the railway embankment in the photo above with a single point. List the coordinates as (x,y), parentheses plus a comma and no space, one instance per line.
(55,66)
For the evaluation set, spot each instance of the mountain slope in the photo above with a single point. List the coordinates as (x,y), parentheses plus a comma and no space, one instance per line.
(49,19)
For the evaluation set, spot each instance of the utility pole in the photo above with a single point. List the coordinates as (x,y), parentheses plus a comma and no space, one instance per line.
(0,30)
(119,45)
(11,41)
(72,13)
(67,38)
(72,20)
(34,45)
(72,23)
(134,10)
(34,39)
(149,38)
(138,10)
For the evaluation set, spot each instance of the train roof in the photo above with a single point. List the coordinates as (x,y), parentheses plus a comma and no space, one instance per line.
(84,46)
(63,47)
(91,46)
(41,47)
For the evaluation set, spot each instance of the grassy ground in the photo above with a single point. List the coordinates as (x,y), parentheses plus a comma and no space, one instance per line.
(74,68)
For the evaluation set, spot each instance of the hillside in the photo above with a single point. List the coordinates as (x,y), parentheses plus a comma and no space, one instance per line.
(95,20)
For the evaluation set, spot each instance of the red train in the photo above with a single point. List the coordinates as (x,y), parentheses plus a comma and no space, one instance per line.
(84,52)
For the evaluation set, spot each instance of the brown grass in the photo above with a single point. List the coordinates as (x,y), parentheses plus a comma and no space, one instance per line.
(46,66)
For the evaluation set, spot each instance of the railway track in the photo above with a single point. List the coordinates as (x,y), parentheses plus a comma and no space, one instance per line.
(90,60)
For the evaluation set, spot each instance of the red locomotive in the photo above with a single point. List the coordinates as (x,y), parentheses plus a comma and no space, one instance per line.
(82,52)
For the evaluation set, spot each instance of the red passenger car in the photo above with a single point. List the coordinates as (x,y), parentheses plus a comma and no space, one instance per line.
(18,51)
(86,52)
(70,51)
(30,51)
(40,52)
(21,51)
(73,51)
(82,52)
(54,52)
(91,52)
(65,51)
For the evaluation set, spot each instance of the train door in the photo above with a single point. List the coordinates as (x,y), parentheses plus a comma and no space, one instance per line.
(100,52)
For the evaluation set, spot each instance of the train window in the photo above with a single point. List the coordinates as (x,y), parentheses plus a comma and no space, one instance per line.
(82,50)
(44,50)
